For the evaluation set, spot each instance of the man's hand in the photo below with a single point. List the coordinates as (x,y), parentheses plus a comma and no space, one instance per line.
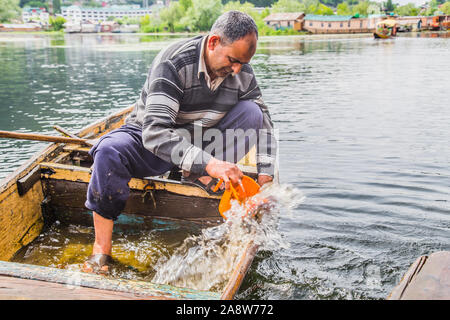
(224,170)
(263,179)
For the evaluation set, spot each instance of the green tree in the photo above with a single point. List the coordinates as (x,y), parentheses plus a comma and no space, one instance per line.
(361,8)
(202,14)
(36,4)
(185,4)
(324,10)
(56,6)
(171,15)
(389,6)
(9,9)
(57,23)
(445,8)
(343,9)
(433,8)
(288,6)
(407,10)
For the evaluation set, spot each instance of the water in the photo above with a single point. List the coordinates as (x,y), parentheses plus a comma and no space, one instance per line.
(363,129)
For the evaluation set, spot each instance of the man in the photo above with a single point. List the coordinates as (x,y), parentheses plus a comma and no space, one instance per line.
(201,82)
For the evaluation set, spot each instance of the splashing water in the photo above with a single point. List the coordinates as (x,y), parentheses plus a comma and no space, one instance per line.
(206,261)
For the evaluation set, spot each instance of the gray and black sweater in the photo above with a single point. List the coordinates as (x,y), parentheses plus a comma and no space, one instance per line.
(174,96)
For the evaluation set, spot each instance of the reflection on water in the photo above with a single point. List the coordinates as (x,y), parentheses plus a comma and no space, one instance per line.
(363,134)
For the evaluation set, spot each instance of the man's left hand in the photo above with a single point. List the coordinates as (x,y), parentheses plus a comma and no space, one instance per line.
(263,179)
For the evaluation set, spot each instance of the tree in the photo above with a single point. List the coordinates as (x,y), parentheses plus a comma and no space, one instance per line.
(171,15)
(56,6)
(407,10)
(343,9)
(445,8)
(57,23)
(433,6)
(390,7)
(288,6)
(361,8)
(36,4)
(202,14)
(9,9)
(324,10)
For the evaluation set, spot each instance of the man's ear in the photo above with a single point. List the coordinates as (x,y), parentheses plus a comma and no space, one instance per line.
(213,42)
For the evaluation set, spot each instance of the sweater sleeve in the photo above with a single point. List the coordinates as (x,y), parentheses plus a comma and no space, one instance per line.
(266,150)
(164,93)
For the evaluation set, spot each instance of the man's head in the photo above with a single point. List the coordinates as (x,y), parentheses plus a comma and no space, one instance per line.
(231,43)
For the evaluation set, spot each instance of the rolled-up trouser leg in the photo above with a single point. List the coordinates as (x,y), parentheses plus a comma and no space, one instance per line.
(240,131)
(118,157)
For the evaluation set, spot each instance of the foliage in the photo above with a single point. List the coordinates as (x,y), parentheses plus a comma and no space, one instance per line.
(36,4)
(202,14)
(361,8)
(343,9)
(9,9)
(288,6)
(445,8)
(433,7)
(57,23)
(56,6)
(390,7)
(407,10)
(172,14)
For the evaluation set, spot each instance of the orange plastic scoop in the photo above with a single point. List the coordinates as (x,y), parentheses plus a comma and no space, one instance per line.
(241,192)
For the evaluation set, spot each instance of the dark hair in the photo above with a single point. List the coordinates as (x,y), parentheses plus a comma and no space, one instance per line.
(234,25)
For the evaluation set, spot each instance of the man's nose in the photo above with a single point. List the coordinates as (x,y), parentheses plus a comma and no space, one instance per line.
(236,68)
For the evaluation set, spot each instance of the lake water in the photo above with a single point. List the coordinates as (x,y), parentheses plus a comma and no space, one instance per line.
(363,130)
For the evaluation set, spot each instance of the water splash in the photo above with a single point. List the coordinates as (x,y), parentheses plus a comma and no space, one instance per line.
(206,261)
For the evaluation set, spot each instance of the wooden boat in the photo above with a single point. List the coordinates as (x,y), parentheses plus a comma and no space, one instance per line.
(58,178)
(428,278)
(385,29)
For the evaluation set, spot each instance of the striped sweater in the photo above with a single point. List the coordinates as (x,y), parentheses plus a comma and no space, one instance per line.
(174,97)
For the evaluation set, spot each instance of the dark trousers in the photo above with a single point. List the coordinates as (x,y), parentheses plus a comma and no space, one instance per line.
(120,155)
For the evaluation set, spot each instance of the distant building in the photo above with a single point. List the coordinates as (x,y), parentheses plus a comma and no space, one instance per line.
(76,13)
(288,20)
(35,14)
(339,24)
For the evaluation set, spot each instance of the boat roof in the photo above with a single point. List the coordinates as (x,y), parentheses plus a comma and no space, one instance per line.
(388,22)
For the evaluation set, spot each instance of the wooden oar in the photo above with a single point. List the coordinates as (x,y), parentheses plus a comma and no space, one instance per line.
(42,137)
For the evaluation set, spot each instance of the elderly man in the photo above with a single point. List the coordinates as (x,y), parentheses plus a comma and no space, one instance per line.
(201,82)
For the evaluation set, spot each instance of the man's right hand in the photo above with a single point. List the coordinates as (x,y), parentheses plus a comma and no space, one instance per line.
(224,170)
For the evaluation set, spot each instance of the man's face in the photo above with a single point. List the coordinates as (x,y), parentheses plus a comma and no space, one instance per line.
(223,59)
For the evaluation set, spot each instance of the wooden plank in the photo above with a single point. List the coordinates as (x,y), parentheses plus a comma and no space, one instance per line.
(21,219)
(428,278)
(24,289)
(65,172)
(238,275)
(72,194)
(94,281)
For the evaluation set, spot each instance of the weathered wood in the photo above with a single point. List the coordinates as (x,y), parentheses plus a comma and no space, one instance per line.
(23,289)
(80,279)
(72,194)
(241,269)
(428,278)
(26,183)
(42,137)
(20,218)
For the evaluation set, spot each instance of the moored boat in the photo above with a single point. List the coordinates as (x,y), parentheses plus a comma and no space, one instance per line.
(385,29)
(57,178)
